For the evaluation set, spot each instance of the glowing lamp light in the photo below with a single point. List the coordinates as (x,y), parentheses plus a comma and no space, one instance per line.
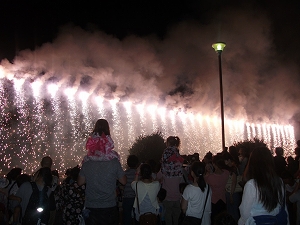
(219,46)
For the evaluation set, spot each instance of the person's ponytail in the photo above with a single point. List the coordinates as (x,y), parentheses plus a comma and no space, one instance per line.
(199,168)
(201,182)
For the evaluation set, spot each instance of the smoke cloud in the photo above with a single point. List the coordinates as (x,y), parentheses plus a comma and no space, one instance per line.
(180,71)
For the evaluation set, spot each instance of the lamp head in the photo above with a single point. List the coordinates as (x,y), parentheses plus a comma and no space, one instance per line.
(219,46)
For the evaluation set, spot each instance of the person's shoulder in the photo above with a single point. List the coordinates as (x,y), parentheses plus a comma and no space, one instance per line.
(130,171)
(189,187)
(25,186)
(114,162)
(156,183)
(250,183)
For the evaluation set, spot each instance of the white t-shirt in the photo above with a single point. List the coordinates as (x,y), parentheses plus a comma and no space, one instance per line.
(251,206)
(196,200)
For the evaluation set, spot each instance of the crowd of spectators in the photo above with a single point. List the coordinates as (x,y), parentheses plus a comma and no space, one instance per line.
(233,186)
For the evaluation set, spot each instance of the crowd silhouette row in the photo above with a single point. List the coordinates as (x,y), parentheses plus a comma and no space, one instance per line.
(233,186)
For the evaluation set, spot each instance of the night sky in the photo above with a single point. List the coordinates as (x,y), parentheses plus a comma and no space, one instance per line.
(29,24)
(168,43)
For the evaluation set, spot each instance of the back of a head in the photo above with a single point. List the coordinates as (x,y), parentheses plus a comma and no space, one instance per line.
(132,161)
(195,157)
(46,162)
(101,126)
(279,151)
(46,175)
(261,168)
(227,156)
(198,169)
(208,156)
(13,174)
(233,150)
(260,161)
(22,179)
(173,141)
(218,161)
(145,171)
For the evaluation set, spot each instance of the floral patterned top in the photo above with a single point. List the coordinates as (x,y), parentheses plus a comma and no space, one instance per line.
(100,148)
(171,162)
(71,197)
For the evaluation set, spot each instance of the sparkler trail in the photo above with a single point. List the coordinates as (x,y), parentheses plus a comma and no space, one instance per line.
(58,122)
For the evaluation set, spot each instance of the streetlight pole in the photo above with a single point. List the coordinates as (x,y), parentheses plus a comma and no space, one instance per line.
(219,46)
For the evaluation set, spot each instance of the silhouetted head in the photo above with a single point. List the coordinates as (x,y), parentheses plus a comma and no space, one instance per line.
(45,174)
(101,126)
(13,174)
(198,168)
(146,171)
(46,162)
(261,161)
(132,161)
(208,157)
(279,151)
(173,141)
(22,179)
(218,161)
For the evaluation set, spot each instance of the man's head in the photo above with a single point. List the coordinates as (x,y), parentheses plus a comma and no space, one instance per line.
(46,162)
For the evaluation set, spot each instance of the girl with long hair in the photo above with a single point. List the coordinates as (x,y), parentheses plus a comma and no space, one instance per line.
(146,192)
(263,193)
(100,145)
(195,197)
